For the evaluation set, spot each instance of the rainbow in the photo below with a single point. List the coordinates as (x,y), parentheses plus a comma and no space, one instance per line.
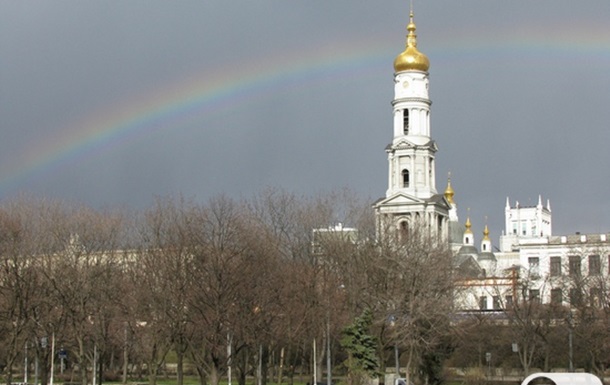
(212,91)
(177,104)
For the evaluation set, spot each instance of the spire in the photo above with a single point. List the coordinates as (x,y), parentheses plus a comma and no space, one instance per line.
(468,239)
(449,193)
(468,224)
(486,233)
(411,58)
(486,244)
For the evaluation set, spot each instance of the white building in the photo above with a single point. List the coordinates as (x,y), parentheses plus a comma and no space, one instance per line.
(528,251)
(411,198)
(562,270)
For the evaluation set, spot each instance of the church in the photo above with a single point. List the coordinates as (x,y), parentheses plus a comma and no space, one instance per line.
(530,263)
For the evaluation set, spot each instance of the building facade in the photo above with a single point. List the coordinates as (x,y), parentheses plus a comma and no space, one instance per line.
(411,198)
(530,263)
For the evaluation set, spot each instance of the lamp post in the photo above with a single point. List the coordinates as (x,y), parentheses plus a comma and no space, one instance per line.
(396,353)
(52,358)
(25,365)
(488,360)
(570,343)
(329,375)
(229,358)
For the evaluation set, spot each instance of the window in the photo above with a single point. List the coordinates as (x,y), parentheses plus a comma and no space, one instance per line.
(535,295)
(555,266)
(405,178)
(534,263)
(509,300)
(596,296)
(439,225)
(405,122)
(556,296)
(575,297)
(497,304)
(575,270)
(595,265)
(404,230)
(483,302)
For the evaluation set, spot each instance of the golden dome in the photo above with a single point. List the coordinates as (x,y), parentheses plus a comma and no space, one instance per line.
(486,234)
(449,193)
(468,225)
(411,58)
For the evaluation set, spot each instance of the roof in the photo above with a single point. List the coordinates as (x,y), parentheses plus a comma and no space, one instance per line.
(562,379)
(486,256)
(468,250)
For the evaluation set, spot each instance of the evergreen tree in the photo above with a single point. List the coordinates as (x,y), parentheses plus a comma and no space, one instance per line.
(362,362)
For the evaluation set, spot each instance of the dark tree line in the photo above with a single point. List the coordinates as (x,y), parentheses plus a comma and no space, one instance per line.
(225,285)
(239,288)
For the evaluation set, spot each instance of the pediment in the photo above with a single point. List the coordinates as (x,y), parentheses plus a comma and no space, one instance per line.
(403,144)
(403,199)
(400,199)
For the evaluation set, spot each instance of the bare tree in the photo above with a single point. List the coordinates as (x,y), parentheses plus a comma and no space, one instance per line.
(18,281)
(411,287)
(218,261)
(79,276)
(169,235)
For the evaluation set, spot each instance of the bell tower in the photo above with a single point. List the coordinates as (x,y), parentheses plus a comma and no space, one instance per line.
(411,198)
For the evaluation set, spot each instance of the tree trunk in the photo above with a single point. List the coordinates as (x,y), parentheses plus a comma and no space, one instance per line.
(125,360)
(9,367)
(264,365)
(408,366)
(152,373)
(201,375)
(280,367)
(81,362)
(180,367)
(214,375)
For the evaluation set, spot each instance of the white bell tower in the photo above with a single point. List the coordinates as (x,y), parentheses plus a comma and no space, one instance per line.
(411,198)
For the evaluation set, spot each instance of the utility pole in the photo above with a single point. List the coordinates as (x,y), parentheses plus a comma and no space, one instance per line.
(570,343)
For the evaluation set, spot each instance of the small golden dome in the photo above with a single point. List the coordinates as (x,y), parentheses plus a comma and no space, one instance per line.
(486,234)
(411,58)
(449,193)
(468,226)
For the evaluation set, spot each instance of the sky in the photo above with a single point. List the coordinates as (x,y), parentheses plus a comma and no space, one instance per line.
(113,103)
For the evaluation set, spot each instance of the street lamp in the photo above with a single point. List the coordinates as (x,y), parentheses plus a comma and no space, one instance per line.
(396,355)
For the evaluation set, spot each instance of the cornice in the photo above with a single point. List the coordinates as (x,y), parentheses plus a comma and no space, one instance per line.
(404,100)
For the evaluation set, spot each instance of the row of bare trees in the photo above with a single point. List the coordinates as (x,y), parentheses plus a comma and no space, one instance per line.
(225,288)
(551,322)
(236,288)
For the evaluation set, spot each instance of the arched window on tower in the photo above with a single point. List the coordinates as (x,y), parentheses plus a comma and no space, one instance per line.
(405,121)
(405,178)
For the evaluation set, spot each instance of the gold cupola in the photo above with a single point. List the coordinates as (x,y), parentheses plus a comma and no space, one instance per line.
(449,193)
(411,58)
(468,225)
(486,234)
